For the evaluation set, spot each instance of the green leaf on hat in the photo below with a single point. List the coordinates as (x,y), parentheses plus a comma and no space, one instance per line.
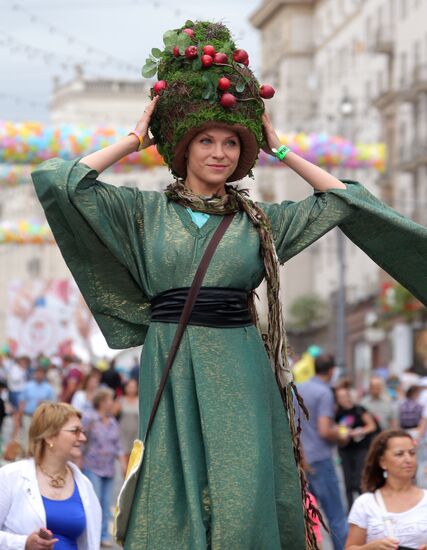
(241,86)
(155,52)
(206,93)
(189,23)
(209,91)
(169,37)
(183,40)
(151,61)
(197,64)
(148,71)
(214,78)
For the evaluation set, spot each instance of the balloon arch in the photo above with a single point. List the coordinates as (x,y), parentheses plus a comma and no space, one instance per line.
(24,145)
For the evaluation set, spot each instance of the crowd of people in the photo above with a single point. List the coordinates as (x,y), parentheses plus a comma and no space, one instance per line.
(377,439)
(370,441)
(101,409)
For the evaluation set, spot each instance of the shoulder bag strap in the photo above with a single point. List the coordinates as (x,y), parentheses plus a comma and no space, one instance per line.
(388,524)
(186,312)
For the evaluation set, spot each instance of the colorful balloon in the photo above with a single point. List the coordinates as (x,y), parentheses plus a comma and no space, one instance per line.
(29,143)
(25,232)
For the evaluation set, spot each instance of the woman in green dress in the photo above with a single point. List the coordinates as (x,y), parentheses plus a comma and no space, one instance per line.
(221,464)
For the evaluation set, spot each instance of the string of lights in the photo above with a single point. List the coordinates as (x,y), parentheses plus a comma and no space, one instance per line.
(73,40)
(176,10)
(48,57)
(20,100)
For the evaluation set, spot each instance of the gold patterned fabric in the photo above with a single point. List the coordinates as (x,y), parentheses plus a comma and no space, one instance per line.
(219,470)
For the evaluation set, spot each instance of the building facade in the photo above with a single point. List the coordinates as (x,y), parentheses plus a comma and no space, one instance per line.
(356,68)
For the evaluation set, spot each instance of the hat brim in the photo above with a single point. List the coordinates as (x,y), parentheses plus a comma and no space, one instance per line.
(249,149)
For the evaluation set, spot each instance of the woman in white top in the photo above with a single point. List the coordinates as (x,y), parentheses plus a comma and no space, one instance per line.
(45,501)
(392,513)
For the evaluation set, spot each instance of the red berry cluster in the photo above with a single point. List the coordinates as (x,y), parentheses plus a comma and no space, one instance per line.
(211,57)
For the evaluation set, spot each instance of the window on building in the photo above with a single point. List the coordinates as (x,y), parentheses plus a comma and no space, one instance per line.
(368,93)
(368,30)
(403,68)
(417,54)
(380,82)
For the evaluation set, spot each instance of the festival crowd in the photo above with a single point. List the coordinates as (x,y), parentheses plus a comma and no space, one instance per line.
(341,441)
(106,400)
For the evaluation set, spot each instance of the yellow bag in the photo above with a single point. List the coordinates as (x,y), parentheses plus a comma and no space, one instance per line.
(127,492)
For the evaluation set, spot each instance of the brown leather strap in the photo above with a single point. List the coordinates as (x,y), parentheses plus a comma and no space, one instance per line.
(186,312)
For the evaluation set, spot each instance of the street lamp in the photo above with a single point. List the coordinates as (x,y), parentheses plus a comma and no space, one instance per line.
(346,106)
(346,112)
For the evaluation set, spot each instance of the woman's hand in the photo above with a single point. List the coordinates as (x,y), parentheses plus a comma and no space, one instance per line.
(144,122)
(36,542)
(271,138)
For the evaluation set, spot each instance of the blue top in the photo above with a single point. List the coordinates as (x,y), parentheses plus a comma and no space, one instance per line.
(199,218)
(66,519)
(34,393)
(319,400)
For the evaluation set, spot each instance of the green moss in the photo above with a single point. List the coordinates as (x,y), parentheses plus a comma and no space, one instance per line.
(182,107)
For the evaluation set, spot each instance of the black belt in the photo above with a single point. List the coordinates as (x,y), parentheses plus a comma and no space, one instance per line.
(214,307)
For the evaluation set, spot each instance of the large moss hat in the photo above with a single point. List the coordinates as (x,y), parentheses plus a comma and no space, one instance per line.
(204,80)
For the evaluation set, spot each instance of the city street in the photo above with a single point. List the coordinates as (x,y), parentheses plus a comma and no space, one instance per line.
(213,237)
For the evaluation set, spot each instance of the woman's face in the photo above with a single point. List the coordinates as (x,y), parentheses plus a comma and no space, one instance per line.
(399,458)
(67,444)
(213,156)
(344,398)
(131,388)
(106,405)
(93,382)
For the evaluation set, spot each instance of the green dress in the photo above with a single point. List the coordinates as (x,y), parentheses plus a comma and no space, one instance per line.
(219,469)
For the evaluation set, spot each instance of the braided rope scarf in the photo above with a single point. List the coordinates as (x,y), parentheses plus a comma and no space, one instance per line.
(275,340)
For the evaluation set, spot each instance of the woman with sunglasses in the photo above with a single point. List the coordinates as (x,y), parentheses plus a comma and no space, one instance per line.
(45,501)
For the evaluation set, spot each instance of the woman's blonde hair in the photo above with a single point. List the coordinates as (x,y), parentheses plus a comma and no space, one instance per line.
(48,419)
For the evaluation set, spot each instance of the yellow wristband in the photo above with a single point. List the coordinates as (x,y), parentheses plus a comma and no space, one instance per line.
(140,139)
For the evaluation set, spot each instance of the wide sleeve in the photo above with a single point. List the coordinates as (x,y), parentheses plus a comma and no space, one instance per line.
(397,244)
(96,228)
(296,225)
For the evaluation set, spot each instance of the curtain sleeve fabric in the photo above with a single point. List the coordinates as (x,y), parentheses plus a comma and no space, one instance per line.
(397,244)
(96,227)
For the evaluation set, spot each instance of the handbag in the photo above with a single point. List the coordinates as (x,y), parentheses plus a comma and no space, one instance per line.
(127,492)
(388,524)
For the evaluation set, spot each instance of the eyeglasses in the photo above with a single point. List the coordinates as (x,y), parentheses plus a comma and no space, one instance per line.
(76,431)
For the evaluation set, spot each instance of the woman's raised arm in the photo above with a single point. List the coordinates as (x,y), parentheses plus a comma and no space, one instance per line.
(104,158)
(318,178)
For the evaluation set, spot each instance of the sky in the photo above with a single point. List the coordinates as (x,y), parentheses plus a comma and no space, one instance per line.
(44,39)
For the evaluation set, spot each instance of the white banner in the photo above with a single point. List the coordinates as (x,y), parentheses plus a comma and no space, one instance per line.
(49,317)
